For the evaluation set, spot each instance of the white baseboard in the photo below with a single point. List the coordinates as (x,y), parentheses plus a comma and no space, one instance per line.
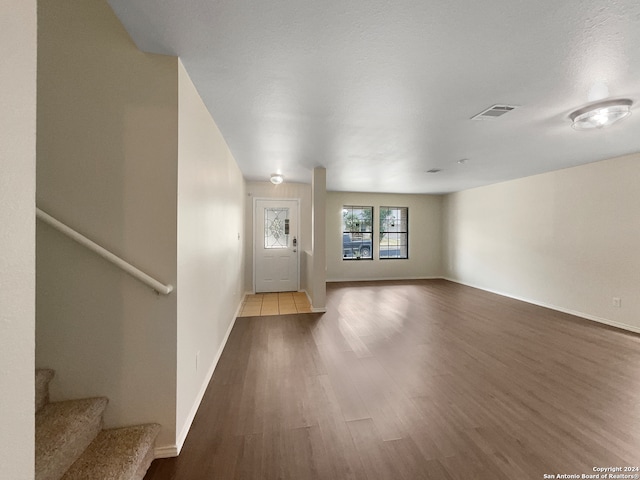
(167,451)
(586,316)
(313,309)
(238,310)
(380,279)
(174,450)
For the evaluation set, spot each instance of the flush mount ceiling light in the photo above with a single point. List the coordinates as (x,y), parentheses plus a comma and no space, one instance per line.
(277,178)
(601,114)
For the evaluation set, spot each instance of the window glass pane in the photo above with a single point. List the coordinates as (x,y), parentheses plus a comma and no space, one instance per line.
(357,233)
(275,227)
(394,232)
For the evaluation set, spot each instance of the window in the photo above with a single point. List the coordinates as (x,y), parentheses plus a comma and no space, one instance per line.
(357,233)
(394,232)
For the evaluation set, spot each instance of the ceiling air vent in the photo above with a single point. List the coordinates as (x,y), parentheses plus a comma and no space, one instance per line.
(494,112)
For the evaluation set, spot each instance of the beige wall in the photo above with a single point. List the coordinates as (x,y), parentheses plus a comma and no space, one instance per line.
(211,209)
(425,218)
(317,261)
(301,191)
(107,166)
(567,239)
(17,236)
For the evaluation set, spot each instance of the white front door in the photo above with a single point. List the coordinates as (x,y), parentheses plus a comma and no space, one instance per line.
(276,242)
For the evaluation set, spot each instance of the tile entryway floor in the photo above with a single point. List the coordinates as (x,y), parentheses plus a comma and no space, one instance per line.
(283,303)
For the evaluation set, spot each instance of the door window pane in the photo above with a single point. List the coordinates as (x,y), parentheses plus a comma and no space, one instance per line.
(276,227)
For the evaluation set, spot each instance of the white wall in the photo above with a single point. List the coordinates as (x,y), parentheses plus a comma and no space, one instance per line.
(301,191)
(568,239)
(211,209)
(425,238)
(107,166)
(17,236)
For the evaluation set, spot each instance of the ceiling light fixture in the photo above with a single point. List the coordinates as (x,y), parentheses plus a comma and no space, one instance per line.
(601,114)
(277,178)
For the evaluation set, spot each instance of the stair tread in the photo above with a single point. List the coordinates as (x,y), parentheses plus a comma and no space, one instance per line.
(115,454)
(59,425)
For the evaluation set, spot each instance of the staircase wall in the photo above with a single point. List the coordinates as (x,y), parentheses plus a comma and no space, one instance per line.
(17,236)
(211,193)
(107,166)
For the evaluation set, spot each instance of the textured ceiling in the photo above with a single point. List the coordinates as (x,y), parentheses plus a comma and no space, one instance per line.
(379,92)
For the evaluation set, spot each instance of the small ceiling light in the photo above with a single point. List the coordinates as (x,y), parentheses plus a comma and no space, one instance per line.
(277,178)
(462,161)
(600,115)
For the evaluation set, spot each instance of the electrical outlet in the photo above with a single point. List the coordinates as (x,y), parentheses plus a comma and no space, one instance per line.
(197,359)
(617,302)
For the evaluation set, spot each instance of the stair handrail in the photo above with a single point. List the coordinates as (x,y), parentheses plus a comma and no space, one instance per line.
(159,287)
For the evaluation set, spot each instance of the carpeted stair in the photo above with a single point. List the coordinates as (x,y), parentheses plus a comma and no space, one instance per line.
(71,444)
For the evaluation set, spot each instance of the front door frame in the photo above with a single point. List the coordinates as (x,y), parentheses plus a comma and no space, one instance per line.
(276,199)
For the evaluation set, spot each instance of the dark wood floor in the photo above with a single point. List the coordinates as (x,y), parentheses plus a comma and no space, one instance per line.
(412,380)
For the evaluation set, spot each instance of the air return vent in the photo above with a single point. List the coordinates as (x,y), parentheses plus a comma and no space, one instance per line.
(494,112)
